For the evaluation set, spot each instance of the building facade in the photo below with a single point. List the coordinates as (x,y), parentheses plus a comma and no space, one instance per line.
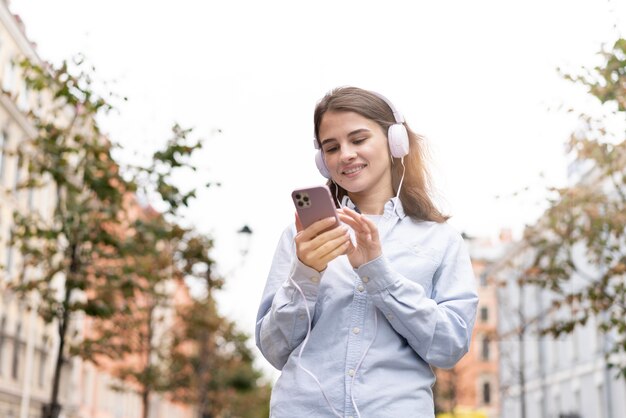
(542,376)
(471,388)
(28,346)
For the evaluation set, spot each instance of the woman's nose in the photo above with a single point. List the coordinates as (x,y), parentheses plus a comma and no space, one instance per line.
(347,153)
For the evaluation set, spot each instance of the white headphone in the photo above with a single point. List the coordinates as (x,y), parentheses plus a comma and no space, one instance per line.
(397,138)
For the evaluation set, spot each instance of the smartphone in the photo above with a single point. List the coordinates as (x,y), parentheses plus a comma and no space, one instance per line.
(313,204)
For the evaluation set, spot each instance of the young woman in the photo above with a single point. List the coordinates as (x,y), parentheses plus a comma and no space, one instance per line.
(356,316)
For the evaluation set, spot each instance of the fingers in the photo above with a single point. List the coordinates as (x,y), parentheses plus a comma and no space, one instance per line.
(326,240)
(317,227)
(359,223)
(355,224)
(372,229)
(317,253)
(333,248)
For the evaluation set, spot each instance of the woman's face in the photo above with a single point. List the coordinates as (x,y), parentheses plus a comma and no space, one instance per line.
(356,153)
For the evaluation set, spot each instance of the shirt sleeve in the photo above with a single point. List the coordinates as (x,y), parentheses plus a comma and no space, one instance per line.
(282,320)
(439,327)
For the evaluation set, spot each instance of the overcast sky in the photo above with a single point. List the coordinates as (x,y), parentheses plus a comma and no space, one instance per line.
(477,78)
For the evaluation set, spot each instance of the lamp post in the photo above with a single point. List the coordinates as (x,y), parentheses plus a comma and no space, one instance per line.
(206,340)
(244,238)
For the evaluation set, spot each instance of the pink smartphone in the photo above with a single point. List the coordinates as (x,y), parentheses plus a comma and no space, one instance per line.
(314,203)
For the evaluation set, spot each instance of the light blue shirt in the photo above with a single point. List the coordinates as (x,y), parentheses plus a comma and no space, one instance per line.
(375,330)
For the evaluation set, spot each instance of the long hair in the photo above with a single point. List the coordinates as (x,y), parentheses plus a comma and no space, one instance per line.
(416,186)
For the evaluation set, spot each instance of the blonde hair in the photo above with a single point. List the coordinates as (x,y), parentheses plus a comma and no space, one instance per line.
(415,193)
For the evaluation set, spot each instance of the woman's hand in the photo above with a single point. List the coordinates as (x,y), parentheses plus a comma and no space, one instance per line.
(366,234)
(315,248)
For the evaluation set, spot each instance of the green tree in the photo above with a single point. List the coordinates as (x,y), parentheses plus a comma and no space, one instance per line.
(136,334)
(92,248)
(579,244)
(211,364)
(63,251)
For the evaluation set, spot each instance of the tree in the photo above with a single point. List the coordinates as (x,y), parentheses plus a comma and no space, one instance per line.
(580,243)
(138,329)
(62,250)
(211,364)
(93,248)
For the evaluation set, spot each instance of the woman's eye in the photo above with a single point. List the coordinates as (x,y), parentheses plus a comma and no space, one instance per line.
(330,150)
(358,141)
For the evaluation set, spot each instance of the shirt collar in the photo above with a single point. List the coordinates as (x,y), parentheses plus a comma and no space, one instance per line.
(392,204)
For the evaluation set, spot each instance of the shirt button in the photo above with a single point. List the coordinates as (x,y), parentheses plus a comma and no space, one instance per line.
(365,279)
(351,372)
(360,288)
(301,316)
(356,330)
(389,317)
(315,279)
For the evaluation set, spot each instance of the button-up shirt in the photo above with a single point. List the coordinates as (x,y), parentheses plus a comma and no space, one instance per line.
(374,331)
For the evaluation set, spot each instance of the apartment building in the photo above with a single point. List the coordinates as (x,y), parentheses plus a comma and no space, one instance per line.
(28,346)
(471,388)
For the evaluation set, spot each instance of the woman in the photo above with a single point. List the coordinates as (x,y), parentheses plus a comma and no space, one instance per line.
(355,323)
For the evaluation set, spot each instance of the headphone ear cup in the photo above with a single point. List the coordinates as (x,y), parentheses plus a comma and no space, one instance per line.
(321,164)
(398,139)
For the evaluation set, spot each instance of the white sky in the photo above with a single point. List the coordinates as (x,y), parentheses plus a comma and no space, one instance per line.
(477,78)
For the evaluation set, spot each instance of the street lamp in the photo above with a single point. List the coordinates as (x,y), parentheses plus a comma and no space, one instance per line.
(244,236)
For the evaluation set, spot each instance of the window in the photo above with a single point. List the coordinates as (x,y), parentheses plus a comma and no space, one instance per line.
(16,351)
(22,98)
(484,314)
(31,199)
(18,174)
(42,361)
(8,268)
(3,142)
(601,401)
(484,352)
(8,76)
(3,326)
(486,393)
(483,279)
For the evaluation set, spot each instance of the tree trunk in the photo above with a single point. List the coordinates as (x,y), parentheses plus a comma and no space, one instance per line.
(203,367)
(53,409)
(145,402)
(205,354)
(522,354)
(147,385)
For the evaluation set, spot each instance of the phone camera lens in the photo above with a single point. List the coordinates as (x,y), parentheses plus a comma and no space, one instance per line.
(306,198)
(300,203)
(298,196)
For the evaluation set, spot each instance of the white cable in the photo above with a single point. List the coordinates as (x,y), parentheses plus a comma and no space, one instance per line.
(306,339)
(400,185)
(337,194)
(356,369)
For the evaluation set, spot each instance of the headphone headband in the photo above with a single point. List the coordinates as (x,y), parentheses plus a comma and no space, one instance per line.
(396,114)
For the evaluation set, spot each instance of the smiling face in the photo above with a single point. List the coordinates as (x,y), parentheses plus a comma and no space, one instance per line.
(356,154)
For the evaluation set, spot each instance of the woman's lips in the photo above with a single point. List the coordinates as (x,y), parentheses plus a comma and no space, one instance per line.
(353,170)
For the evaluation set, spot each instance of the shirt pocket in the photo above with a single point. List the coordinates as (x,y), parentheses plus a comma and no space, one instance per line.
(414,261)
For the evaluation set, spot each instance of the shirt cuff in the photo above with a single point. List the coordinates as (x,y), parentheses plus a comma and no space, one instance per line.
(307,278)
(376,274)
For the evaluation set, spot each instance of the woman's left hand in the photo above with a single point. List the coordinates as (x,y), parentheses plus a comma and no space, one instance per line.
(366,234)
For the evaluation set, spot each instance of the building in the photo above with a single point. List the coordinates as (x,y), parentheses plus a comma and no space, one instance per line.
(28,346)
(471,387)
(546,377)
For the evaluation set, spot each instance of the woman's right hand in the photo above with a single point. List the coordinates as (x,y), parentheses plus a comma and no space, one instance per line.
(315,248)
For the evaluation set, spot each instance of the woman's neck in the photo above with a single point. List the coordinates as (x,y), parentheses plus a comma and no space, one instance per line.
(371,203)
